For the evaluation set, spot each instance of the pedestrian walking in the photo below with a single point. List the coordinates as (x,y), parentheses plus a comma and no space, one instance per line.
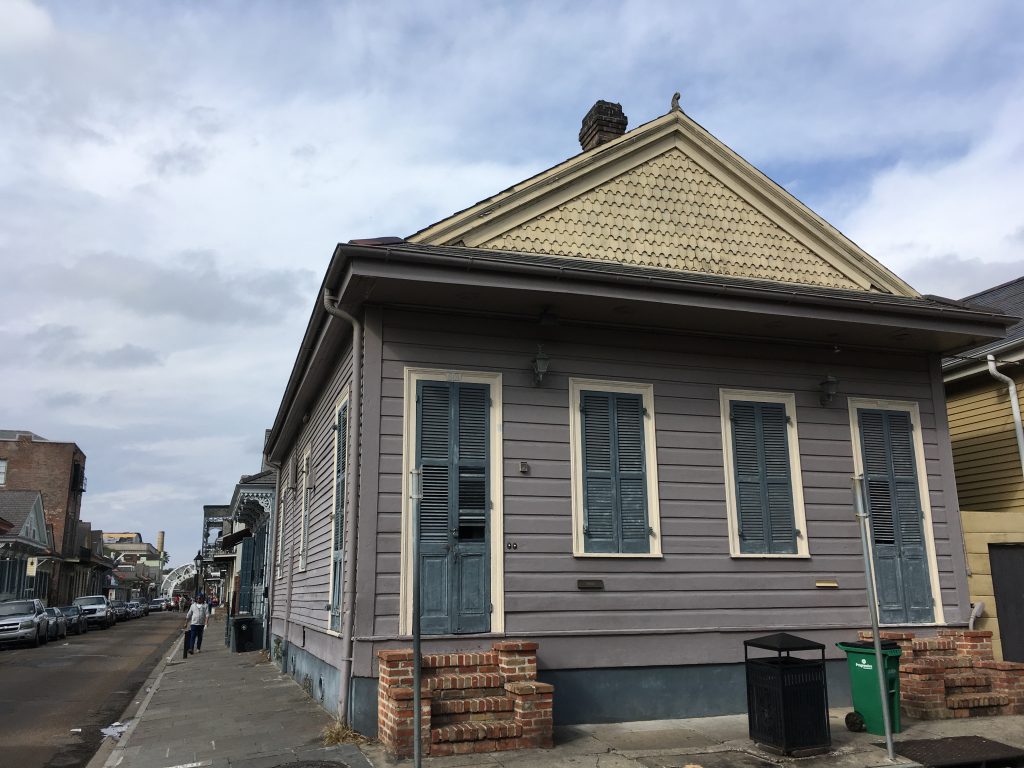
(195,621)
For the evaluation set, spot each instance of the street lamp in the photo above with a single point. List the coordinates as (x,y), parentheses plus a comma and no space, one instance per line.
(199,571)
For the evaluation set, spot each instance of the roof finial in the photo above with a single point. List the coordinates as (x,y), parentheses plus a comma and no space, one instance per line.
(675,103)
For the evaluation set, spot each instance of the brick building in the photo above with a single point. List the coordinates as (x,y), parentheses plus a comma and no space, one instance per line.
(29,462)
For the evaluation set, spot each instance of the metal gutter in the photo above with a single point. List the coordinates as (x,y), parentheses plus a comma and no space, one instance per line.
(1011,390)
(469,259)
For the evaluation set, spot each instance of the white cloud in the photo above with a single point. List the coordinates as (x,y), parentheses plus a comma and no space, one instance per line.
(953,227)
(23,26)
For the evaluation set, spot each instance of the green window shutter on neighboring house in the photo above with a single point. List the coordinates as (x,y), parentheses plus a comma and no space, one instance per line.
(764,490)
(614,473)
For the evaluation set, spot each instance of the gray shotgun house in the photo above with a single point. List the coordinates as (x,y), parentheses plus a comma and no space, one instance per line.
(632,391)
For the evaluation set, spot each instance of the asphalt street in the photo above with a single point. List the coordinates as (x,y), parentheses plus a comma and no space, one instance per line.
(84,682)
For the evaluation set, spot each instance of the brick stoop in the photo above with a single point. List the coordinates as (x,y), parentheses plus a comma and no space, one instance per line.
(953,675)
(487,701)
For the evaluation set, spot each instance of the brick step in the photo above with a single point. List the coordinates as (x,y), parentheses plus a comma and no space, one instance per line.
(476,731)
(478,709)
(464,682)
(473,705)
(976,700)
(968,683)
(933,646)
(460,663)
(936,663)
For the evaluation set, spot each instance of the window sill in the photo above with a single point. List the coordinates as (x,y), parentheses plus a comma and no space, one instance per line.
(751,556)
(618,555)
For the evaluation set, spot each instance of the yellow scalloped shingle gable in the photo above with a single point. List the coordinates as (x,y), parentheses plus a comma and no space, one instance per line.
(671,213)
(666,195)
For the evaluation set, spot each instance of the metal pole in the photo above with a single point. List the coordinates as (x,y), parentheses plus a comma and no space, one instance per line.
(861,510)
(416,494)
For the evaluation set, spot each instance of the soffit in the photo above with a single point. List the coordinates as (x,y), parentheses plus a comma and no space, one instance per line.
(668,195)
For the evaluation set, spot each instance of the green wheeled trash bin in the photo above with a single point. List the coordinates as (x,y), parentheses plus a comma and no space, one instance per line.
(867,704)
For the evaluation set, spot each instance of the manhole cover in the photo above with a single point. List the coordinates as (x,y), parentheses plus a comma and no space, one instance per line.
(961,752)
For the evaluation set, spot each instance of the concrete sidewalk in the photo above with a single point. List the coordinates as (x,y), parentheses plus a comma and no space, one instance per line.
(219,709)
(227,710)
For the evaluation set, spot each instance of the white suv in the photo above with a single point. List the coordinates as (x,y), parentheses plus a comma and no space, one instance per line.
(97,610)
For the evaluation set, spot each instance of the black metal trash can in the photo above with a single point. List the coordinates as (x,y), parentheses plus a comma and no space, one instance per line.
(787,696)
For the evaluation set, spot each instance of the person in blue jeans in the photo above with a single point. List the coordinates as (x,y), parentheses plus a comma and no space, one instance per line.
(196,620)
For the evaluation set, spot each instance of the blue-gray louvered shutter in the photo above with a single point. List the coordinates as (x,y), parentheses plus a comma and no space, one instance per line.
(599,524)
(764,489)
(433,447)
(631,479)
(338,544)
(471,587)
(614,473)
(902,576)
(245,582)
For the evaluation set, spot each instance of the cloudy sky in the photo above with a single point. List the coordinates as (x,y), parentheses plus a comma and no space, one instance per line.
(174,176)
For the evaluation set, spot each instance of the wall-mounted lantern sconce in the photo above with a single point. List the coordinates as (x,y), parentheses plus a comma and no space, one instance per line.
(540,365)
(828,388)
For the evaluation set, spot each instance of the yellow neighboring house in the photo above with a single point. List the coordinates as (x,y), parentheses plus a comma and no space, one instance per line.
(983,393)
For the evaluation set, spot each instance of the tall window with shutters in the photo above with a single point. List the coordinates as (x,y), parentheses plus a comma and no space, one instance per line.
(764,492)
(614,470)
(338,515)
(890,453)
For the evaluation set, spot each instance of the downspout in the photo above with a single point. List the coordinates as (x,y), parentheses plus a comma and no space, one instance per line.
(349,594)
(1011,388)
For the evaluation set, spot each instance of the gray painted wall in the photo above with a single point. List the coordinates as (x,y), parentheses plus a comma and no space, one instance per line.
(695,605)
(696,590)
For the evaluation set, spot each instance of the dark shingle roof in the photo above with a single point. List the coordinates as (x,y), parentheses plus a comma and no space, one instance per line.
(1008,298)
(16,506)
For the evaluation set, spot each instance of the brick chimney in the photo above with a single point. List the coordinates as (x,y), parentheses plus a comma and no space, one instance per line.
(602,123)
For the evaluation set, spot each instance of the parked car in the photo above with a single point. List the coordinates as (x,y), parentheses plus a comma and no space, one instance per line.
(75,619)
(57,629)
(158,604)
(134,608)
(97,610)
(120,608)
(23,621)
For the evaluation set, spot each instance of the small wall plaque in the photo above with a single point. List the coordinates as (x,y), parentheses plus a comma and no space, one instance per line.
(589,583)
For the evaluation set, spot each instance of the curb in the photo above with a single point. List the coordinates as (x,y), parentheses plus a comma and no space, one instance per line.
(107,756)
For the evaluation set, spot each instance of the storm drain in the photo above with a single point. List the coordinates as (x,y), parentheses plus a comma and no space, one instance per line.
(961,752)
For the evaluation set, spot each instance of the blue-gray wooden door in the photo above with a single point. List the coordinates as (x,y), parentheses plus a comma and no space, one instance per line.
(452,451)
(902,575)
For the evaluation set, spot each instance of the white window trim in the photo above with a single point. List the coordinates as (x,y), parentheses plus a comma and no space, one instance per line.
(304,508)
(343,400)
(788,399)
(646,391)
(913,409)
(3,471)
(412,377)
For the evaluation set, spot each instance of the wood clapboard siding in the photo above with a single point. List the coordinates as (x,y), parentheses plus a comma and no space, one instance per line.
(311,587)
(696,585)
(985,454)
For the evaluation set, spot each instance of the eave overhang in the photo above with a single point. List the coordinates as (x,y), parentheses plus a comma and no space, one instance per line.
(577,291)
